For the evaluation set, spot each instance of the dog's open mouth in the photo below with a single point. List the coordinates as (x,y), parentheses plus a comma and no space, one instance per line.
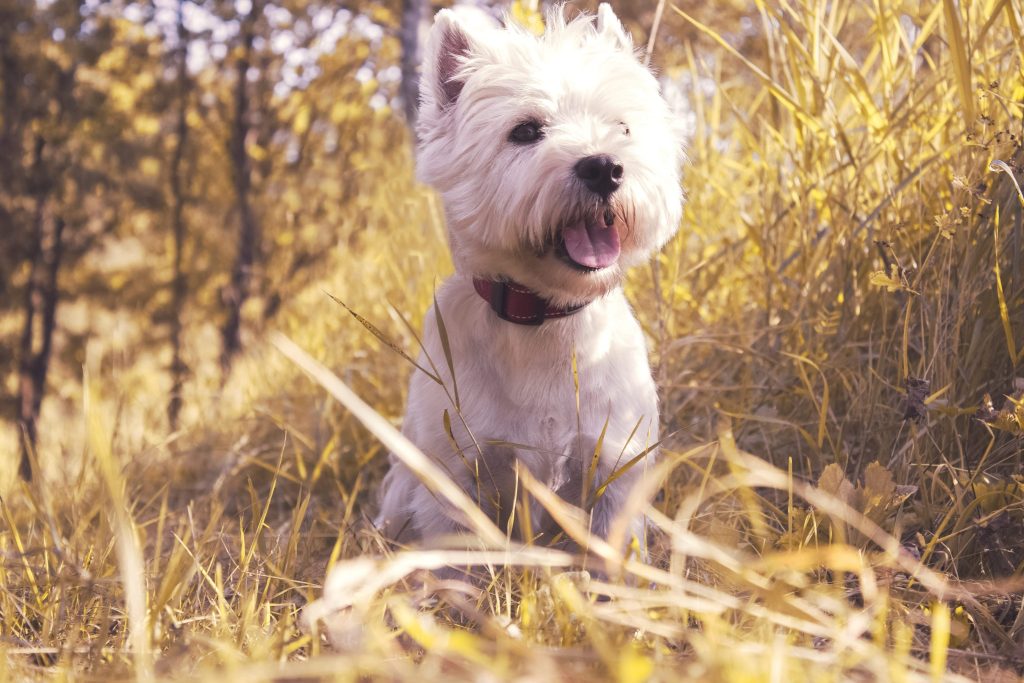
(592,242)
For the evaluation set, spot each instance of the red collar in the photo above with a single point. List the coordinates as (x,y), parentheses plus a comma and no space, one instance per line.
(517,304)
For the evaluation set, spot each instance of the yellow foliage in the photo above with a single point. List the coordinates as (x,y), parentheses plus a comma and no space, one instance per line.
(300,124)
(634,666)
(150,167)
(256,151)
(527,14)
(146,125)
(122,96)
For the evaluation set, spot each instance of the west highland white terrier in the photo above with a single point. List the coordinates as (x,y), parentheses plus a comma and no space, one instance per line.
(559,164)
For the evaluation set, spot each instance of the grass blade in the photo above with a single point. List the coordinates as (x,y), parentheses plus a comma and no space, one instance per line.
(442,331)
(383,338)
(428,473)
(961,59)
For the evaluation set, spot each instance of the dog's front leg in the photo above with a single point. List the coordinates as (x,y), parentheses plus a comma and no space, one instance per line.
(607,502)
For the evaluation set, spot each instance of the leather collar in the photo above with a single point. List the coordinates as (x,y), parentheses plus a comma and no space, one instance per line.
(517,304)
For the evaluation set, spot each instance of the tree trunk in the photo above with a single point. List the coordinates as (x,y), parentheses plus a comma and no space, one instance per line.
(10,78)
(238,290)
(414,15)
(11,162)
(41,297)
(178,283)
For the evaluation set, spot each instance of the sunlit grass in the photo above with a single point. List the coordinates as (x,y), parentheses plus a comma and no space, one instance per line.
(846,290)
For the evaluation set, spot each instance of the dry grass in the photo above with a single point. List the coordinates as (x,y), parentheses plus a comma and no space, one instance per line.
(848,289)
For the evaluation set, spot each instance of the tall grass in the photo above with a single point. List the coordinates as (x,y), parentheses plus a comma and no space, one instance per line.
(838,334)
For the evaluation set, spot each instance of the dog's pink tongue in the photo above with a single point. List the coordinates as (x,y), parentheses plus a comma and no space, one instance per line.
(591,243)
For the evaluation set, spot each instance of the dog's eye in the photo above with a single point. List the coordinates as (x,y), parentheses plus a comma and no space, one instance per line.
(525,133)
(625,128)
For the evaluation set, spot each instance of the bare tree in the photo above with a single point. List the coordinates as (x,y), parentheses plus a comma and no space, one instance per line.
(46,248)
(239,288)
(41,296)
(179,282)
(415,14)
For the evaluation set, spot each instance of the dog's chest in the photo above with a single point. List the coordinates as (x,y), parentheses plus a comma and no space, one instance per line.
(547,392)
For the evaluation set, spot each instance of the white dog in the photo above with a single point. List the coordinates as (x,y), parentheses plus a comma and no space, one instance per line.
(559,165)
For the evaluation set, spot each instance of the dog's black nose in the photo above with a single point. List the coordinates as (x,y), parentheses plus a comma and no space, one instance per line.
(601,173)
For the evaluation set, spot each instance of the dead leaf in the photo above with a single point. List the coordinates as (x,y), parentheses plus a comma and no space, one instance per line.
(835,483)
(917,391)
(986,411)
(877,498)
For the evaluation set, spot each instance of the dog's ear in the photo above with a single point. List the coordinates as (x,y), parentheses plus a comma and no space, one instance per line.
(609,26)
(449,48)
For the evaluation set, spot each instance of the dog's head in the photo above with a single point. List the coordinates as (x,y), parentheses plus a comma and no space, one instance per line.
(556,155)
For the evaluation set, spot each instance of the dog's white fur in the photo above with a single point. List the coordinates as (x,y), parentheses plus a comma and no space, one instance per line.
(505,203)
